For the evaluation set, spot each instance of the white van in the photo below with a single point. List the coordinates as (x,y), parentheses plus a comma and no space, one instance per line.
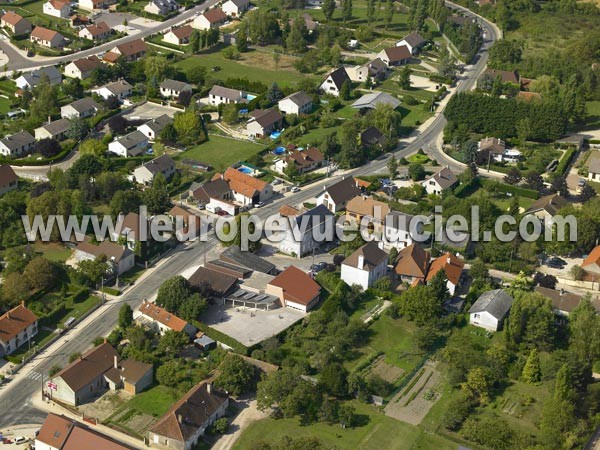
(213,208)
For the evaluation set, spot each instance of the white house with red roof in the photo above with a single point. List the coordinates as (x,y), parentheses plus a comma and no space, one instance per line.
(295,289)
(57,8)
(17,326)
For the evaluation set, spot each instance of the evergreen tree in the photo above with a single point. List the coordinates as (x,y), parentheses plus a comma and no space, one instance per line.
(532,373)
(328,7)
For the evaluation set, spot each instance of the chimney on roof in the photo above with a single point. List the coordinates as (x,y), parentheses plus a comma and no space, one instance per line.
(105,340)
(361,261)
(180,418)
(49,119)
(116,362)
(448,260)
(209,388)
(8,314)
(23,303)
(562,292)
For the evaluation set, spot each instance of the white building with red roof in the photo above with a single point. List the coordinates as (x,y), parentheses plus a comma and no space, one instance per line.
(17,326)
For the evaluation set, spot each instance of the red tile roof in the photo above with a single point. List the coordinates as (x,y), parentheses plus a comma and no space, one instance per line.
(15,321)
(450,264)
(44,33)
(297,285)
(163,316)
(243,183)
(215,15)
(11,18)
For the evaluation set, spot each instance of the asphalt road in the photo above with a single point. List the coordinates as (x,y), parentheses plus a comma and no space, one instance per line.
(15,406)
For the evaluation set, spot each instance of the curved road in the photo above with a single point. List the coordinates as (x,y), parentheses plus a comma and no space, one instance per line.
(15,405)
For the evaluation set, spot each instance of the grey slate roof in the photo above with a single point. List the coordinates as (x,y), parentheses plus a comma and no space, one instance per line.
(83,104)
(316,215)
(594,165)
(372,99)
(158,123)
(372,136)
(132,139)
(175,85)
(300,98)
(158,165)
(57,127)
(414,39)
(18,140)
(234,95)
(445,178)
(372,255)
(549,203)
(118,87)
(496,302)
(338,77)
(343,190)
(34,77)
(246,259)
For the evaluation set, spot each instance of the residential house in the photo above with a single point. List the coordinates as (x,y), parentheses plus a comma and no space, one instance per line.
(297,103)
(302,160)
(79,21)
(161,7)
(494,146)
(220,283)
(303,230)
(592,262)
(145,173)
(47,38)
(263,123)
(365,266)
(219,94)
(82,68)
(235,8)
(211,18)
(333,82)
(173,88)
(564,302)
(17,145)
(412,264)
(29,80)
(375,212)
(397,232)
(119,258)
(134,229)
(372,99)
(246,189)
(187,224)
(178,35)
(372,137)
(441,181)
(162,320)
(97,371)
(95,32)
(375,69)
(128,51)
(56,130)
(9,181)
(91,5)
(310,24)
(295,289)
(15,23)
(120,89)
(288,211)
(395,56)
(506,76)
(452,267)
(336,196)
(79,109)
(189,418)
(234,255)
(57,8)
(490,310)
(545,208)
(216,193)
(132,144)
(154,127)
(17,326)
(59,432)
(594,169)
(413,42)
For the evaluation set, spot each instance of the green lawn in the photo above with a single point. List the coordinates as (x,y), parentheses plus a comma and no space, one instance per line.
(53,252)
(592,111)
(253,65)
(221,152)
(5,105)
(418,159)
(314,136)
(375,432)
(155,401)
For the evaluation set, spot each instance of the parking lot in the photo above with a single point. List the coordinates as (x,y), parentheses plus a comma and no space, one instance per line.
(249,326)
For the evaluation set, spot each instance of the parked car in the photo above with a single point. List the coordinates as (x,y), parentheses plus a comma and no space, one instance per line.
(295,189)
(20,440)
(555,263)
(259,204)
(201,206)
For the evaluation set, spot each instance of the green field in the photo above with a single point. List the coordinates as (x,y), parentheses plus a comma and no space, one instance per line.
(53,252)
(156,401)
(592,111)
(375,432)
(221,152)
(253,65)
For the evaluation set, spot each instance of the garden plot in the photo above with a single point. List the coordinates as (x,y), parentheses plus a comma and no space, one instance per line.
(412,404)
(386,371)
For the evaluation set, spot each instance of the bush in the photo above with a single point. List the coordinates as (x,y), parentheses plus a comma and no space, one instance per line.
(221,425)
(410,100)
(562,166)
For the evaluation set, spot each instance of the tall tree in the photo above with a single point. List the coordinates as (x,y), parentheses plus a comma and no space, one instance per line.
(532,373)
(328,7)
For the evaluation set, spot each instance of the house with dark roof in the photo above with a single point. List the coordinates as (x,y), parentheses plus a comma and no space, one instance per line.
(545,208)
(187,225)
(161,320)
(82,68)
(297,103)
(490,310)
(395,56)
(439,182)
(372,99)
(263,122)
(15,23)
(96,31)
(95,372)
(211,18)
(189,418)
(216,193)
(234,255)
(16,145)
(412,264)
(161,7)
(493,145)
(452,267)
(303,161)
(413,41)
(365,266)
(59,432)
(173,88)
(372,137)
(179,35)
(29,80)
(46,37)
(594,169)
(333,82)
(302,231)
(79,109)
(132,144)
(375,69)
(336,197)
(145,173)
(505,76)
(235,8)
(220,283)
(295,289)
(120,89)
(128,51)
(220,94)
(17,327)
(9,181)
(154,127)
(56,130)
(564,302)
(119,258)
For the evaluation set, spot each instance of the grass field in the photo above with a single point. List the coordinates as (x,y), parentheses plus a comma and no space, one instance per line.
(592,111)
(375,432)
(5,105)
(221,152)
(253,65)
(53,252)
(155,401)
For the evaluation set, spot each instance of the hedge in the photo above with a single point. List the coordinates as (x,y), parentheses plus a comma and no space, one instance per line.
(222,338)
(81,295)
(564,162)
(495,186)
(440,79)
(38,162)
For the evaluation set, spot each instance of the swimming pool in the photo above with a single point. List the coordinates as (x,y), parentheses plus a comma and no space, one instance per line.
(250,96)
(245,170)
(279,150)
(275,134)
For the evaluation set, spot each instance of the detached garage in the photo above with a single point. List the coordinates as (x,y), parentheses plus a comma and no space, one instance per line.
(295,289)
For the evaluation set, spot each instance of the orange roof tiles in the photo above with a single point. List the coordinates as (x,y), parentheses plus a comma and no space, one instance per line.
(15,321)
